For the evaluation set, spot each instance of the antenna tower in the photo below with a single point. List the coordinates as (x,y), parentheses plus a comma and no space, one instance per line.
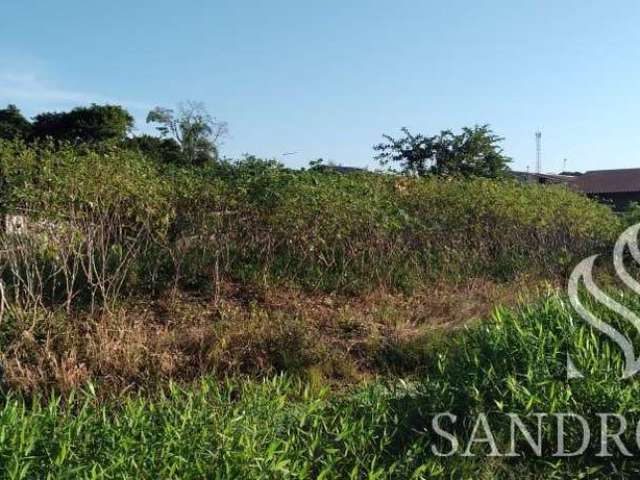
(538,152)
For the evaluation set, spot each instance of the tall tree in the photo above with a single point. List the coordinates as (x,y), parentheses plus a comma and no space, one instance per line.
(197,132)
(96,123)
(475,151)
(13,124)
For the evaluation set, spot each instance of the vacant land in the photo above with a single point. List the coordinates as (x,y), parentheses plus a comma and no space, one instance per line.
(242,320)
(287,428)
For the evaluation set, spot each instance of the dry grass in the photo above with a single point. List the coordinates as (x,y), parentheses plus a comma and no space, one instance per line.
(143,345)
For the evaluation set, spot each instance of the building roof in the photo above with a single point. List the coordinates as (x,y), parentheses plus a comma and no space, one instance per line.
(552,176)
(540,177)
(609,181)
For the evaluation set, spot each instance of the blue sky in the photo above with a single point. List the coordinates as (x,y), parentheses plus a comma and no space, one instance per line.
(326,79)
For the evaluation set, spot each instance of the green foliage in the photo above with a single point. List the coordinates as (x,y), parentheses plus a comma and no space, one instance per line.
(52,181)
(189,137)
(96,123)
(350,232)
(517,364)
(631,215)
(257,222)
(197,133)
(93,214)
(159,150)
(473,152)
(281,428)
(277,429)
(13,124)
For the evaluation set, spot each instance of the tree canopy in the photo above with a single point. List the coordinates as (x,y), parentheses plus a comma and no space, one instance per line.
(13,124)
(188,136)
(475,151)
(160,150)
(197,132)
(95,123)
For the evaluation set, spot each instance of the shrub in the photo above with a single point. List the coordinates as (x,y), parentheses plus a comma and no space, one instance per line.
(351,232)
(91,214)
(137,226)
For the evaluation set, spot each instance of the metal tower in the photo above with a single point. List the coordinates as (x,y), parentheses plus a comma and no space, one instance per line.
(538,152)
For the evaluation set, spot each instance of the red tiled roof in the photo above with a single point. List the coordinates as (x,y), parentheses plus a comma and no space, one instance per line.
(608,181)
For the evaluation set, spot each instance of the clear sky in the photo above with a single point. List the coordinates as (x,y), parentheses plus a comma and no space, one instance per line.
(327,78)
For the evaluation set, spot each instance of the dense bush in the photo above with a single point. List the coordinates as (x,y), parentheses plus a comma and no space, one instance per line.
(92,214)
(131,225)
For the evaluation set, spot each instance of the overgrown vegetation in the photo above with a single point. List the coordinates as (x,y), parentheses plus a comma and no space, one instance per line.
(257,223)
(112,236)
(132,275)
(283,429)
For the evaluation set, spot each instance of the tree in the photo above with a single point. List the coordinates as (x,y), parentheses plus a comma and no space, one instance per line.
(13,124)
(473,152)
(160,150)
(197,132)
(96,123)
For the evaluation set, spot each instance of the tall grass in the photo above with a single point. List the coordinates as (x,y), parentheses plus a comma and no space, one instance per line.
(276,429)
(281,428)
